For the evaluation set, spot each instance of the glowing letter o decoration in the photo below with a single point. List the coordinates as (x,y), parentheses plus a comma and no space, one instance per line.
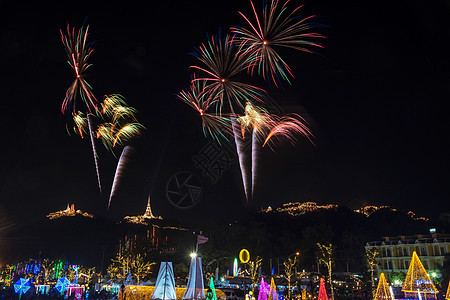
(244,256)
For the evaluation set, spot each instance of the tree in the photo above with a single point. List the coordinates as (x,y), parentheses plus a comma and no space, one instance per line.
(140,267)
(372,262)
(326,258)
(254,272)
(289,270)
(118,268)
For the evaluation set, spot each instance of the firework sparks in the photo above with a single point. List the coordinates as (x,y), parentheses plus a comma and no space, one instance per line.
(276,27)
(222,64)
(121,125)
(215,126)
(289,127)
(78,52)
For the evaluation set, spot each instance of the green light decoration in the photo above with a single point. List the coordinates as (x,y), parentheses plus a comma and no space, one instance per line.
(211,292)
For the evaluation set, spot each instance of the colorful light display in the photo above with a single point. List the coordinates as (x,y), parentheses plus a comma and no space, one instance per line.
(22,286)
(62,285)
(383,291)
(417,282)
(244,256)
(322,291)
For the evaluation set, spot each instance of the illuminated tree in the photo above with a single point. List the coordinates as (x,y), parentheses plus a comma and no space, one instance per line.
(140,267)
(289,270)
(254,276)
(417,281)
(326,259)
(118,269)
(383,291)
(86,274)
(372,262)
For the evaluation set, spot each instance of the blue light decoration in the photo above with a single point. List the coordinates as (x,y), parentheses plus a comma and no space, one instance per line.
(194,286)
(22,286)
(62,285)
(128,280)
(165,283)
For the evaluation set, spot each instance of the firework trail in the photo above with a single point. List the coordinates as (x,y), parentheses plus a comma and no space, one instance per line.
(222,62)
(256,120)
(78,52)
(94,151)
(120,127)
(243,159)
(121,167)
(277,26)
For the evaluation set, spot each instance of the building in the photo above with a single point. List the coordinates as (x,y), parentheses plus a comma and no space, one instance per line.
(395,252)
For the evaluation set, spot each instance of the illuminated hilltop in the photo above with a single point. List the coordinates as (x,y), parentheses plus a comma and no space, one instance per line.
(300,208)
(68,212)
(143,220)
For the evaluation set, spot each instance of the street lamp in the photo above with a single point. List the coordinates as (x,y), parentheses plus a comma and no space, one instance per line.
(193,254)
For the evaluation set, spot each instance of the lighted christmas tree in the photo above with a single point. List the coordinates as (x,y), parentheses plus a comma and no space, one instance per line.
(273,290)
(418,284)
(383,291)
(322,291)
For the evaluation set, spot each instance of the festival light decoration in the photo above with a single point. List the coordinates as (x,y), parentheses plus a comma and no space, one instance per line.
(213,295)
(165,283)
(244,256)
(447,295)
(264,289)
(139,292)
(417,282)
(22,286)
(383,289)
(273,295)
(194,286)
(235,267)
(322,291)
(62,285)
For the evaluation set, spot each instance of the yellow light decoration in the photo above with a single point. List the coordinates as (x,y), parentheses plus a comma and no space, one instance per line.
(447,296)
(383,291)
(142,292)
(418,281)
(244,256)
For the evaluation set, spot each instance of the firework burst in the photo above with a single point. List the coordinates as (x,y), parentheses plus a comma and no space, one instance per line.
(276,27)
(222,62)
(78,52)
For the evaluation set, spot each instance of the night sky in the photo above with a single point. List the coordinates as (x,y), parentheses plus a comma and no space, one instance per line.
(376,98)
